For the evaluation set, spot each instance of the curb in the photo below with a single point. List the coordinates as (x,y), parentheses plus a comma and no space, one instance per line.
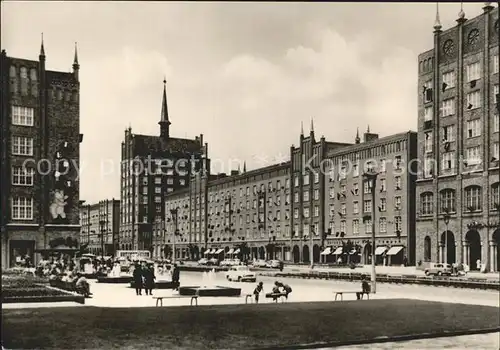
(382,339)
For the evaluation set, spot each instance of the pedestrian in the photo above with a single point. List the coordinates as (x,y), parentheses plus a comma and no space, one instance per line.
(176,277)
(276,292)
(282,264)
(137,276)
(149,280)
(256,292)
(286,289)
(365,288)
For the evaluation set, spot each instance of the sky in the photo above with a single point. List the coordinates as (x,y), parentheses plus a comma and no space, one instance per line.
(245,75)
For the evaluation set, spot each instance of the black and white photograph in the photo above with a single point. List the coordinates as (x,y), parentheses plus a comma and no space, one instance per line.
(249,175)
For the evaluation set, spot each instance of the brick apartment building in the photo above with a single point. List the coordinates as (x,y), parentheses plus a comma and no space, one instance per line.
(458,144)
(100,226)
(284,211)
(150,167)
(40,152)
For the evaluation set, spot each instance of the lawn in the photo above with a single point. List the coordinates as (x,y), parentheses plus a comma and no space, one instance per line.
(236,326)
(25,285)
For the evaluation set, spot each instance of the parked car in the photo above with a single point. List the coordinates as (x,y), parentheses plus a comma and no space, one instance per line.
(213,262)
(240,274)
(438,269)
(273,264)
(203,261)
(260,263)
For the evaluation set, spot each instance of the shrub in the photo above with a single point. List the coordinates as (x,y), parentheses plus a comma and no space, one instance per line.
(29,292)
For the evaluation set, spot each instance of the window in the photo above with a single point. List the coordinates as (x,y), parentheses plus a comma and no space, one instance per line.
(343,209)
(449,80)
(473,100)
(355,207)
(24,73)
(383,165)
(157,189)
(473,71)
(316,211)
(473,200)
(495,64)
(496,93)
(495,196)
(382,225)
(144,200)
(355,188)
(22,146)
(316,194)
(398,223)
(367,206)
(383,204)
(428,111)
(306,212)
(182,182)
(157,180)
(296,213)
(343,226)
(316,177)
(383,185)
(287,183)
(426,203)
(397,202)
(332,193)
(22,116)
(247,191)
(428,166)
(428,91)
(170,181)
(496,151)
(398,182)
(473,156)
(22,208)
(22,176)
(367,189)
(398,162)
(496,123)
(448,107)
(296,181)
(296,197)
(428,142)
(368,226)
(332,210)
(447,200)
(355,170)
(355,226)
(157,199)
(448,133)
(448,161)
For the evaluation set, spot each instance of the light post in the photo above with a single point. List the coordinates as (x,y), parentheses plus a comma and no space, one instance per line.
(371,176)
(174,213)
(101,224)
(446,218)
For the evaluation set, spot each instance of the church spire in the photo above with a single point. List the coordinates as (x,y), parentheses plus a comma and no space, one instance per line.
(312,125)
(76,65)
(42,49)
(301,128)
(164,121)
(437,22)
(357,139)
(368,129)
(245,166)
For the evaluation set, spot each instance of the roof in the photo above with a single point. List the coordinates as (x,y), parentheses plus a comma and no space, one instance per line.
(264,170)
(146,144)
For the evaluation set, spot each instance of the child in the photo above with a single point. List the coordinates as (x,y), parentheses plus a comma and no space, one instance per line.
(259,289)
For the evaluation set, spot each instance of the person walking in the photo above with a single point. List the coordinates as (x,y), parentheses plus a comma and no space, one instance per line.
(149,280)
(365,288)
(256,292)
(176,277)
(137,276)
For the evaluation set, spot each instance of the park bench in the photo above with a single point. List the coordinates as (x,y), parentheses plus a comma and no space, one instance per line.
(159,300)
(362,293)
(276,296)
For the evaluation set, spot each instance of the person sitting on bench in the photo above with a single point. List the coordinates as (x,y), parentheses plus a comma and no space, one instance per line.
(365,288)
(286,289)
(82,285)
(276,291)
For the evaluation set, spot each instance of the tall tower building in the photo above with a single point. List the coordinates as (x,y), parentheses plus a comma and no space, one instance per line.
(458,144)
(151,167)
(40,154)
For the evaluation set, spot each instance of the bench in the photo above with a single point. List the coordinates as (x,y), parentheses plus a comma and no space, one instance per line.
(277,296)
(341,294)
(159,300)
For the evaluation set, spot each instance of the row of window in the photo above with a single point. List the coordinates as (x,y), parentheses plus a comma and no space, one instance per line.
(367,206)
(368,225)
(472,200)
(448,106)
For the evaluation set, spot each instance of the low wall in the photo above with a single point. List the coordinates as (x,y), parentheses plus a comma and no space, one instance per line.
(202,268)
(45,299)
(472,283)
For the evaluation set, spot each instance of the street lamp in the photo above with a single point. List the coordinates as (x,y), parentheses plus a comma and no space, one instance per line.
(174,213)
(371,176)
(446,217)
(101,224)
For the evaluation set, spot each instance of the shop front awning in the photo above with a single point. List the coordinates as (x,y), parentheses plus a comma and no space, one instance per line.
(237,251)
(337,251)
(395,250)
(220,250)
(380,250)
(327,251)
(230,251)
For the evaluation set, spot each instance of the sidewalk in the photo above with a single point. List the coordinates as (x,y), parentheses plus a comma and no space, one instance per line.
(389,270)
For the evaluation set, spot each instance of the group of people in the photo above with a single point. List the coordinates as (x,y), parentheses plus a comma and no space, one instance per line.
(279,289)
(144,277)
